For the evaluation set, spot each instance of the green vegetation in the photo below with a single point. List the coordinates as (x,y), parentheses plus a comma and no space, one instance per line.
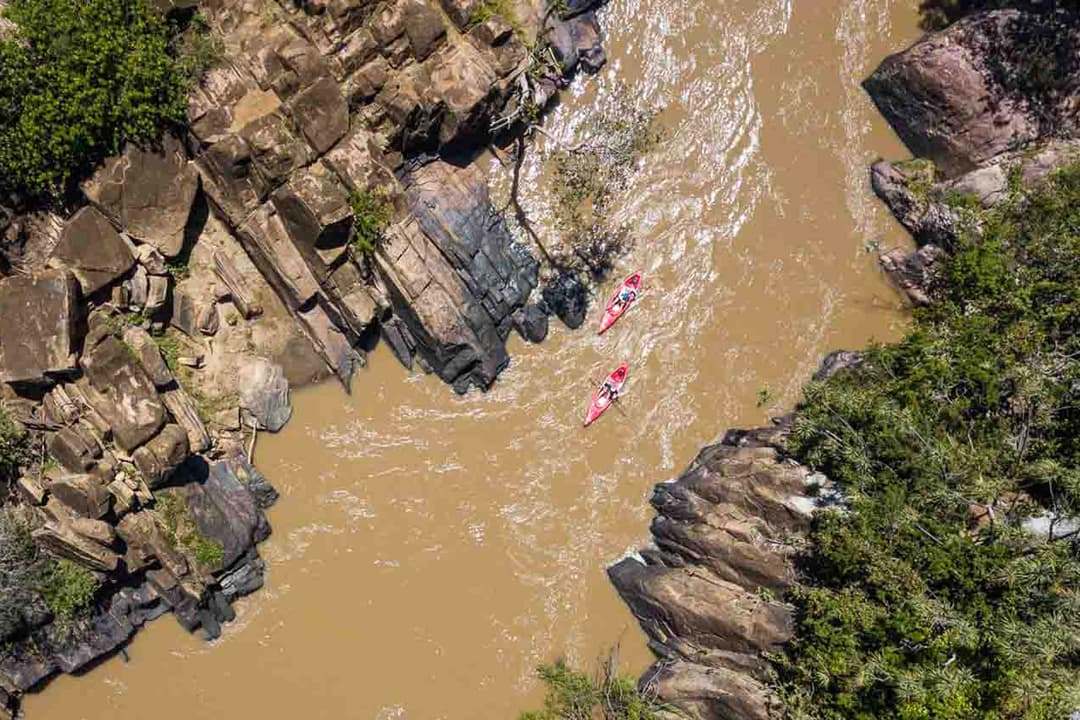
(78,79)
(14,447)
(171,349)
(919,176)
(574,695)
(923,597)
(68,588)
(486,9)
(182,533)
(372,212)
(18,568)
(197,48)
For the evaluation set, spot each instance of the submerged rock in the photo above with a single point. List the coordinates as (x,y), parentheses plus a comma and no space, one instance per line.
(567,298)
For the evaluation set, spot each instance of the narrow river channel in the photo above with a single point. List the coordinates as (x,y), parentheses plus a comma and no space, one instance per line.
(430,550)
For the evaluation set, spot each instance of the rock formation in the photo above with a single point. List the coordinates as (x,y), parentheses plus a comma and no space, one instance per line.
(709,593)
(992,95)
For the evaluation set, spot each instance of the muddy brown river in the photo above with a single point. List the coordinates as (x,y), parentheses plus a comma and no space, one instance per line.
(430,550)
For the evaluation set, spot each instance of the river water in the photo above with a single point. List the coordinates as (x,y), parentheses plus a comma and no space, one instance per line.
(430,550)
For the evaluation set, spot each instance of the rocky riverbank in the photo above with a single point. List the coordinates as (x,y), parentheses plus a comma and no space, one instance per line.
(156,322)
(989,107)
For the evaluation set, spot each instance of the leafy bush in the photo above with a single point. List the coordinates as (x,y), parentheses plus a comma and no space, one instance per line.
(486,9)
(372,213)
(14,447)
(924,597)
(574,695)
(197,49)
(18,569)
(67,587)
(77,80)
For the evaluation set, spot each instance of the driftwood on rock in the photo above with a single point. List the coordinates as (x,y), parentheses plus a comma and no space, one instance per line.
(241,293)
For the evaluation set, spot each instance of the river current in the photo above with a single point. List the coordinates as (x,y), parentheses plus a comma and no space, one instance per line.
(429,550)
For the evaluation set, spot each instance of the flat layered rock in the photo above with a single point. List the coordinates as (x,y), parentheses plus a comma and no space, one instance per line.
(121,392)
(723,550)
(264,393)
(36,335)
(91,248)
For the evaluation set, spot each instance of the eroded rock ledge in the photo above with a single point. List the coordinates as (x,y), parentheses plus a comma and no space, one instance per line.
(709,592)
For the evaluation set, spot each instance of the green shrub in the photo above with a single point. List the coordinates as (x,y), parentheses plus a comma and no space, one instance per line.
(197,48)
(908,608)
(486,9)
(68,588)
(574,695)
(18,568)
(372,213)
(77,80)
(14,447)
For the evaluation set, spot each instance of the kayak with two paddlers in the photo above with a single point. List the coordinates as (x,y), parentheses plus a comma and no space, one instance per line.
(621,301)
(606,395)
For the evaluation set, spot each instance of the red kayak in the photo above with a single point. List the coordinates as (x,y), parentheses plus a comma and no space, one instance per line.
(617,307)
(601,399)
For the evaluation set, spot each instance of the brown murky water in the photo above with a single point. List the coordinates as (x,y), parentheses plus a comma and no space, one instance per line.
(429,550)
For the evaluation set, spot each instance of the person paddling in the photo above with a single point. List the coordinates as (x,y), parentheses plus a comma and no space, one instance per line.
(609,390)
(627,296)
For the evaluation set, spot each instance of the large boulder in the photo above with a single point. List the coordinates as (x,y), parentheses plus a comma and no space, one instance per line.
(264,393)
(148,193)
(36,334)
(314,208)
(121,392)
(225,510)
(92,249)
(321,113)
(84,495)
(981,87)
(158,458)
(577,42)
(148,354)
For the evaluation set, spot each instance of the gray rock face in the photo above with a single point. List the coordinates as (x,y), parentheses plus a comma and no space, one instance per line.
(91,248)
(970,92)
(36,333)
(454,275)
(577,41)
(224,509)
(147,193)
(913,272)
(264,394)
(722,534)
